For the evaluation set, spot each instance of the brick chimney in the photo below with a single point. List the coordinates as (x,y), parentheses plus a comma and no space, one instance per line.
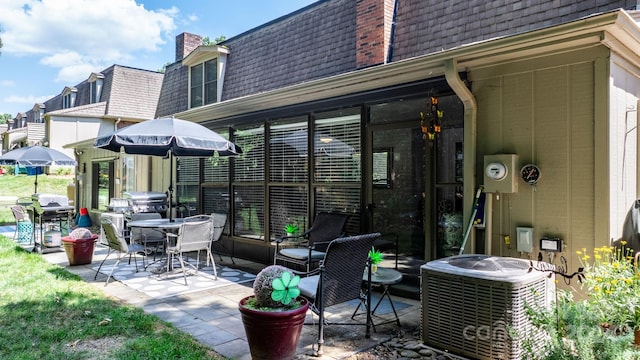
(186,43)
(374,20)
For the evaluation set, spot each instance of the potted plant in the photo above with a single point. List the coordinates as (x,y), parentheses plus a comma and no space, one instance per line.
(274,315)
(376,258)
(79,246)
(291,229)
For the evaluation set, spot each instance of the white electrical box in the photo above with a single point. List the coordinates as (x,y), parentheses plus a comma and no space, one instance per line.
(524,239)
(500,173)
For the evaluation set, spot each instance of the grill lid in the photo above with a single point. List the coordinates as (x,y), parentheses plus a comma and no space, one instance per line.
(145,196)
(50,200)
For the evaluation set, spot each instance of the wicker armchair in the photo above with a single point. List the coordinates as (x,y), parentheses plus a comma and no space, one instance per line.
(309,247)
(339,279)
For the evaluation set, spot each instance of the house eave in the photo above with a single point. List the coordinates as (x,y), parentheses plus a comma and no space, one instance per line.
(582,33)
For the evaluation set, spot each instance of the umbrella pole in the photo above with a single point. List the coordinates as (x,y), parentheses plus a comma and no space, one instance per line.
(170,185)
(35,191)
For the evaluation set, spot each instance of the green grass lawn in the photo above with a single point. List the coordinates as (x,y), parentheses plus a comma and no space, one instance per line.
(16,186)
(48,313)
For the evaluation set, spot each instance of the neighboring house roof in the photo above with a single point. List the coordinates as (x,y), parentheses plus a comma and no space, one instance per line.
(89,110)
(127,93)
(131,93)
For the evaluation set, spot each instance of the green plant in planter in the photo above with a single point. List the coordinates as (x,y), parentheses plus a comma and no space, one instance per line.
(291,228)
(275,289)
(273,316)
(375,256)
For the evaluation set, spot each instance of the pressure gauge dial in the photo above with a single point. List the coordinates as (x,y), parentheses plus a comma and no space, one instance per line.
(530,174)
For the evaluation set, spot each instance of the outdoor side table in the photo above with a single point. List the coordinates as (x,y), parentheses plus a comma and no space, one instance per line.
(384,277)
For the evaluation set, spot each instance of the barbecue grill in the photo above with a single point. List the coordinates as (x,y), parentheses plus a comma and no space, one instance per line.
(50,209)
(120,210)
(146,201)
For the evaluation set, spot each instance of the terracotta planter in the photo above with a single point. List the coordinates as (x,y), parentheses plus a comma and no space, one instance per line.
(636,337)
(79,251)
(273,334)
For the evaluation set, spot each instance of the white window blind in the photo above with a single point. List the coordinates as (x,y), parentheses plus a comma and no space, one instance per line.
(248,186)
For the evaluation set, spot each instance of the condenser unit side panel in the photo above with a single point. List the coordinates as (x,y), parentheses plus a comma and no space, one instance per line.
(476,317)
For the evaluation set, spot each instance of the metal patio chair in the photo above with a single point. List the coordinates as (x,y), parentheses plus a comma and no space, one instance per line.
(151,239)
(308,248)
(24,226)
(117,243)
(219,222)
(194,235)
(338,279)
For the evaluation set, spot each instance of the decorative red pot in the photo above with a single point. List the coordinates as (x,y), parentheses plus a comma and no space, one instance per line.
(273,335)
(79,251)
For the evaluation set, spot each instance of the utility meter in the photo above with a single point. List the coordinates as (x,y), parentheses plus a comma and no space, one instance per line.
(500,173)
(496,170)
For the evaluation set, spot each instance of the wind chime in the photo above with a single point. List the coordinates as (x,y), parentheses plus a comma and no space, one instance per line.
(431,122)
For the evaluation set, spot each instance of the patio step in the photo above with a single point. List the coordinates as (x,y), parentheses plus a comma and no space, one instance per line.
(408,288)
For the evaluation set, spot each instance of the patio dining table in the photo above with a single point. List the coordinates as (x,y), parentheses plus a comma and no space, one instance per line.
(162,225)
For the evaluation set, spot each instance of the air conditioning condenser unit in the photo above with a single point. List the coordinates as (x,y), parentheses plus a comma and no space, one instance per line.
(472,305)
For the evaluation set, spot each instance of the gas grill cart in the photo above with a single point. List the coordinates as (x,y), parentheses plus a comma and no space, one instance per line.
(52,216)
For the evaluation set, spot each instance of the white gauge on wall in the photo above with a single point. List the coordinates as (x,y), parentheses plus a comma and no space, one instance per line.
(496,170)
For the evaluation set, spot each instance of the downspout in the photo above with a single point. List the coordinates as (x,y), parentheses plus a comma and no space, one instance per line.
(470,145)
(393,33)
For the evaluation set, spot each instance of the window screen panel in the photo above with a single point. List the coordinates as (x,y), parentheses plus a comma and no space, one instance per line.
(288,205)
(249,212)
(249,167)
(289,148)
(344,200)
(216,168)
(188,182)
(337,149)
(215,199)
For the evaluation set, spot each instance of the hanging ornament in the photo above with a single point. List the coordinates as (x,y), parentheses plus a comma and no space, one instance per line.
(431,122)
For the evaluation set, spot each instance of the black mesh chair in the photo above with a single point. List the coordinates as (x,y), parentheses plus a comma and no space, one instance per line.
(339,279)
(309,247)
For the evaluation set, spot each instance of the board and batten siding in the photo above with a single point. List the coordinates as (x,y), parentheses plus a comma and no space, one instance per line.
(544,110)
(624,87)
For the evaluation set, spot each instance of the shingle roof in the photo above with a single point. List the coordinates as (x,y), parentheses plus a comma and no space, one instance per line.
(131,93)
(91,110)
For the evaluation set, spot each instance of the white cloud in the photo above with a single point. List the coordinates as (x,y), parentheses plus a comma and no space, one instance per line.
(73,35)
(7,83)
(28,100)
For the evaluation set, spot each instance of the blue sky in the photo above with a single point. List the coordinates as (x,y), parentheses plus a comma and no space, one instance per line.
(50,44)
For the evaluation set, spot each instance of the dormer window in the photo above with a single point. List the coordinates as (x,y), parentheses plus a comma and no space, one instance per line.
(38,113)
(69,97)
(96,81)
(207,64)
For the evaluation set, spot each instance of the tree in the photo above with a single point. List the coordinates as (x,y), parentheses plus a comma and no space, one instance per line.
(4,118)
(207,41)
